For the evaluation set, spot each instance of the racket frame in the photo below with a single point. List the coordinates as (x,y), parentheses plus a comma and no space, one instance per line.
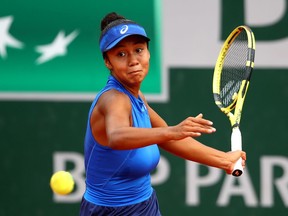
(238,100)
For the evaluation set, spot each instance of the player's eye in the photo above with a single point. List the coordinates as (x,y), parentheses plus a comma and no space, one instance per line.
(139,50)
(121,54)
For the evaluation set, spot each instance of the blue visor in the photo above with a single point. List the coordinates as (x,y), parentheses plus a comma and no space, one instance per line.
(116,33)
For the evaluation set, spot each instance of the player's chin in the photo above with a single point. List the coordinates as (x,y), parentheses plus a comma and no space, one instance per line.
(136,78)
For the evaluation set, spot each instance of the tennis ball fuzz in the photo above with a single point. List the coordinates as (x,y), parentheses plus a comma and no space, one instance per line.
(62,183)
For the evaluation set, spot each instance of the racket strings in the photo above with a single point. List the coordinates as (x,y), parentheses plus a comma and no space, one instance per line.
(234,69)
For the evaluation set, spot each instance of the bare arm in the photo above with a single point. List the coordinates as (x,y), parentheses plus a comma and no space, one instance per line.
(115,110)
(190,149)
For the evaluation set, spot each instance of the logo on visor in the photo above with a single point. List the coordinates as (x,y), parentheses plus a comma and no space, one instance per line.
(124,29)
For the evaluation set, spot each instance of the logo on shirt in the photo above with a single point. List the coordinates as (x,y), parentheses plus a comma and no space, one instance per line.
(124,29)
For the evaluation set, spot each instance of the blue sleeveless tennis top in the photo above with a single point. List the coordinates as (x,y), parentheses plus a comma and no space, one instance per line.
(119,177)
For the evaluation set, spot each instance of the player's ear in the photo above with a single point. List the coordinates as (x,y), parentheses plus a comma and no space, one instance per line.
(107,63)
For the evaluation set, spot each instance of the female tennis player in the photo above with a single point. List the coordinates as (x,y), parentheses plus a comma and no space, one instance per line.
(123,132)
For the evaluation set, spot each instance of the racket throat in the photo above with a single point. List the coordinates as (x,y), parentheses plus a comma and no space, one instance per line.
(233,120)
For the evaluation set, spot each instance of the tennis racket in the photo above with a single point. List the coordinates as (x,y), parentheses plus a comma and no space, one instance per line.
(231,80)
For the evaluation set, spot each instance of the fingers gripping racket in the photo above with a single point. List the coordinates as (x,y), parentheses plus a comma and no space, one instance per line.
(231,80)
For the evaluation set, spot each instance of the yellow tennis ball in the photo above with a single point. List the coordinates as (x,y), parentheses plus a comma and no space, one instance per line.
(62,183)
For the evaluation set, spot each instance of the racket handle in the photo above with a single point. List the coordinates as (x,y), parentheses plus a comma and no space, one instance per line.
(236,144)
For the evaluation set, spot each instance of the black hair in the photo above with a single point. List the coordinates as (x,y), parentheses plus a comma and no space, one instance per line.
(109,18)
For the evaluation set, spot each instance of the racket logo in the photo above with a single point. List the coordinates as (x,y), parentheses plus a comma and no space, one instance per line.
(124,29)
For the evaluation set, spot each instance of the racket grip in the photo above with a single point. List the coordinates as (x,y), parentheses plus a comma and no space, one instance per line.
(236,144)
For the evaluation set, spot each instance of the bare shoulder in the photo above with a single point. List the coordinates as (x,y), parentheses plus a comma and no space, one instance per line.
(112,106)
(113,99)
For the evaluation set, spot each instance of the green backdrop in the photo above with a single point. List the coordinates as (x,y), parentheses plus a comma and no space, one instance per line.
(32,131)
(82,70)
(35,135)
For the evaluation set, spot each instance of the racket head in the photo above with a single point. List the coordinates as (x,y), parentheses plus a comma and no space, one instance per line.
(233,70)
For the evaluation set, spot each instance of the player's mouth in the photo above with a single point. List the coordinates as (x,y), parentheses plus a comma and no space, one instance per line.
(135,72)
